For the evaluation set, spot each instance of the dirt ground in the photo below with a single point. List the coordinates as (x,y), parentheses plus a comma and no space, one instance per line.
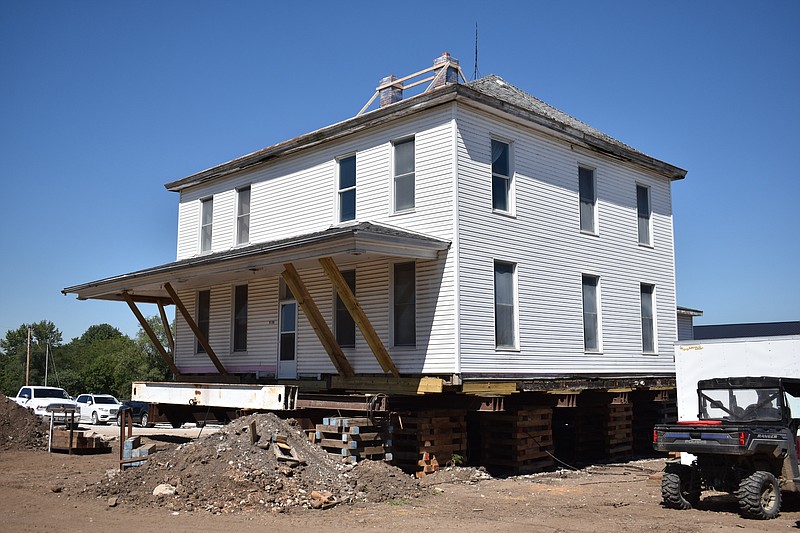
(58,492)
(223,481)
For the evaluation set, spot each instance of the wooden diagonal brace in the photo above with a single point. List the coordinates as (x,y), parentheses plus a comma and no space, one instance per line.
(359,316)
(150,333)
(324,333)
(167,329)
(196,330)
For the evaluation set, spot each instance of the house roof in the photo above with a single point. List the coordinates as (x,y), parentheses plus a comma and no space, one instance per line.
(348,243)
(688,311)
(759,329)
(490,92)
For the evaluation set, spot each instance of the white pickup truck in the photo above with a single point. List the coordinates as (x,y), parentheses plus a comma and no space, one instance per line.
(38,399)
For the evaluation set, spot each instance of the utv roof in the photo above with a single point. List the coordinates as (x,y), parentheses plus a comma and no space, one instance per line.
(791,385)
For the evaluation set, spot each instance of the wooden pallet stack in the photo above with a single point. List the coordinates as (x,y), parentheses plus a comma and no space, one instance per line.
(517,442)
(351,438)
(619,430)
(649,410)
(424,440)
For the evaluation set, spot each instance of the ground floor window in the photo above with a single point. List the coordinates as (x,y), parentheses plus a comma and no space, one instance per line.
(203,316)
(404,289)
(504,303)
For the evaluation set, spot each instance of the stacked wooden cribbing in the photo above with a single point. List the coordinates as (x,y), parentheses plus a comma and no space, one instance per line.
(579,433)
(82,441)
(517,442)
(423,440)
(649,410)
(351,438)
(619,430)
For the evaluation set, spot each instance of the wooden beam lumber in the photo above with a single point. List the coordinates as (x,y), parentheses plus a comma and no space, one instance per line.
(167,328)
(324,333)
(195,329)
(389,385)
(359,316)
(489,387)
(151,334)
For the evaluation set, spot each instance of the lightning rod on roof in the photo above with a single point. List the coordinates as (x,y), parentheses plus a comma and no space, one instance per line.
(475,72)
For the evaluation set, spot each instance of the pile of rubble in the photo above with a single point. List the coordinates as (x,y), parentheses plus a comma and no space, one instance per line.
(19,427)
(277,469)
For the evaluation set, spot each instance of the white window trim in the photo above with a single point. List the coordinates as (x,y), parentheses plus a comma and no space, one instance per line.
(512,182)
(402,347)
(337,202)
(655,317)
(599,299)
(393,177)
(649,218)
(200,226)
(238,214)
(595,218)
(516,346)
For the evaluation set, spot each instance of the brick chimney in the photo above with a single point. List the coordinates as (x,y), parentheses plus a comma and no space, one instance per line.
(390,94)
(450,75)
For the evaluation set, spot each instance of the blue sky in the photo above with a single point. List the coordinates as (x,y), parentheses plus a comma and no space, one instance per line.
(103,102)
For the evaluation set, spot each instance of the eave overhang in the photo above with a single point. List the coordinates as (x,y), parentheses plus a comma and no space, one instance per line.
(349,244)
(443,95)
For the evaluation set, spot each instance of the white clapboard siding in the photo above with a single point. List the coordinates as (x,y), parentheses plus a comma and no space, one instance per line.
(685,328)
(298,194)
(551,254)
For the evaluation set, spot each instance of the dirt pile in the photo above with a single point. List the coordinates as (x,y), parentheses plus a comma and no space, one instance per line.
(224,473)
(19,427)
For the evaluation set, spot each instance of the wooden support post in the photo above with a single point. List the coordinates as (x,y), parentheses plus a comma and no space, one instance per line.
(359,316)
(314,316)
(196,330)
(150,333)
(167,329)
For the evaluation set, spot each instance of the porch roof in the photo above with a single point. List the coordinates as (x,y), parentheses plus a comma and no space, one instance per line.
(347,244)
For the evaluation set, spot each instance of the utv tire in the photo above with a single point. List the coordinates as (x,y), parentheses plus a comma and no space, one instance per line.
(676,492)
(759,496)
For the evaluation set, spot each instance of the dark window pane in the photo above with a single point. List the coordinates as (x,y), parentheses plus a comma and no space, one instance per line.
(648,322)
(345,325)
(287,347)
(203,315)
(500,158)
(347,205)
(240,318)
(643,209)
(405,331)
(404,192)
(404,157)
(500,193)
(347,172)
(591,333)
(504,318)
(588,198)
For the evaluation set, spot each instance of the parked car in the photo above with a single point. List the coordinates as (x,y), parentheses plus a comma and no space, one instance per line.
(38,399)
(139,410)
(98,408)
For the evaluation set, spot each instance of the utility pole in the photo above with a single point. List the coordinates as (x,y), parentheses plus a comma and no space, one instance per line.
(28,363)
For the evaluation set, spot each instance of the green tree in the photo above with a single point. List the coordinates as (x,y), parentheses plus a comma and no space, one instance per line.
(44,337)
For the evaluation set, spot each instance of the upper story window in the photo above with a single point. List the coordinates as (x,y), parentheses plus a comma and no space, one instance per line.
(644,214)
(505,329)
(240,318)
(243,215)
(344,324)
(588,194)
(404,175)
(591,313)
(404,294)
(206,218)
(203,316)
(501,176)
(347,188)
(648,318)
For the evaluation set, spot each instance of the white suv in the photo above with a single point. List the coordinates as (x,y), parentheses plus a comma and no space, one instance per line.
(38,399)
(98,408)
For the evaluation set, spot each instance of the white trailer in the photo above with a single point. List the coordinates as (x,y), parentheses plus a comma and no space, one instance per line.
(721,358)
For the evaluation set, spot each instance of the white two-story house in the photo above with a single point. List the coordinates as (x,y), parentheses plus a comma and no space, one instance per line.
(470,232)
